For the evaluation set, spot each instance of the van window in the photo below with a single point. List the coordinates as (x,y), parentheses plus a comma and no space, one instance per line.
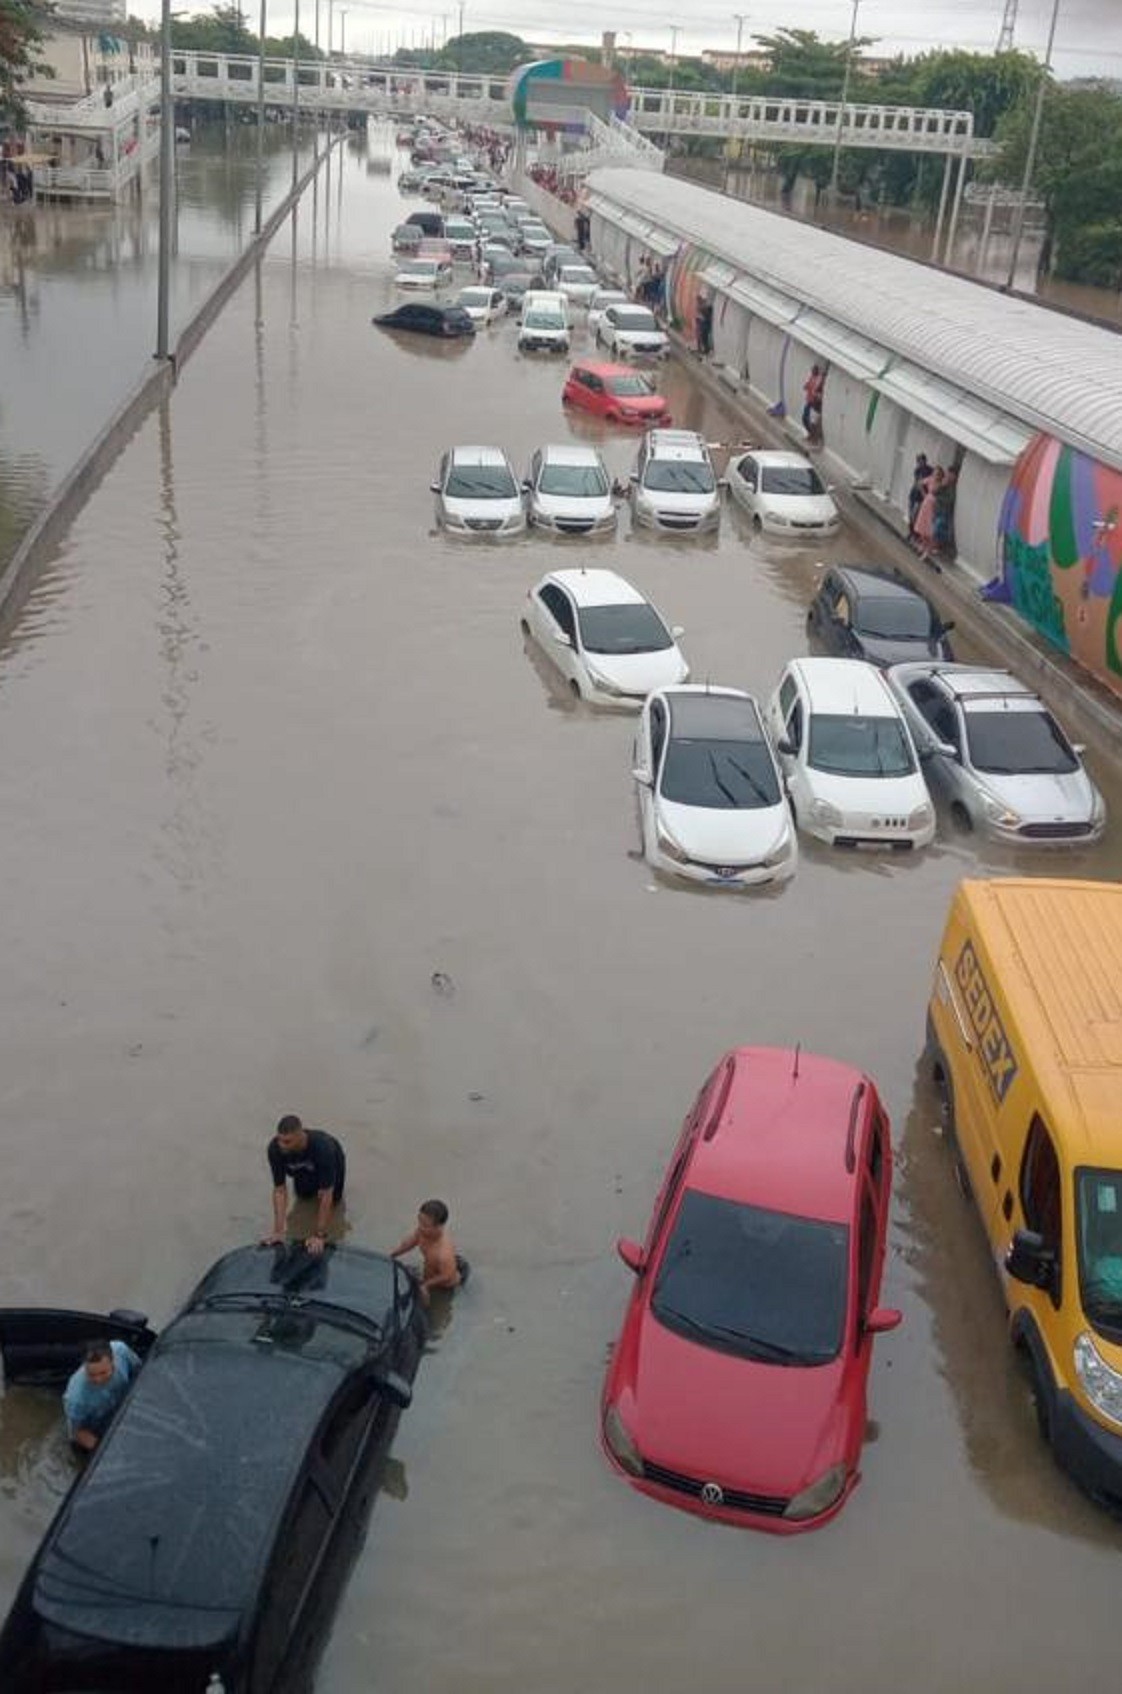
(1098,1234)
(1041,1199)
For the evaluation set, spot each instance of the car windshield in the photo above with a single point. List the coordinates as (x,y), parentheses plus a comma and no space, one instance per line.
(897,617)
(480,482)
(680,476)
(1098,1222)
(581,481)
(459,232)
(419,267)
(637,319)
(623,629)
(543,318)
(855,746)
(610,297)
(790,479)
(502,263)
(747,1280)
(1018,742)
(475,297)
(629,383)
(577,273)
(721,775)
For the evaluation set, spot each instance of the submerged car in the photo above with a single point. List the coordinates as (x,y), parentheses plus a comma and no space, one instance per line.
(424,273)
(630,331)
(450,322)
(848,758)
(204,1543)
(998,756)
(862,614)
(738,1386)
(482,304)
(477,493)
(674,486)
(711,802)
(570,491)
(615,393)
(784,495)
(607,641)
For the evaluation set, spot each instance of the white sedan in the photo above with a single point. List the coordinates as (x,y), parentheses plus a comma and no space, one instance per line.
(630,331)
(601,300)
(483,305)
(711,802)
(424,273)
(783,493)
(851,766)
(578,283)
(570,491)
(605,638)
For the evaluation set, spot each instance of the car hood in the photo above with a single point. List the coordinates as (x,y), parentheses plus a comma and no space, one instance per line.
(628,336)
(684,503)
(1043,797)
(894,650)
(763,1428)
(725,837)
(883,794)
(801,508)
(463,508)
(639,673)
(477,314)
(644,405)
(574,506)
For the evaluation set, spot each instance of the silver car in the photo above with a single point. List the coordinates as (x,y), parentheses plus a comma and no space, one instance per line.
(674,486)
(569,491)
(994,751)
(477,494)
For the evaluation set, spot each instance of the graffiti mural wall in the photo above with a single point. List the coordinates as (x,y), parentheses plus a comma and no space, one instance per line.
(1061,550)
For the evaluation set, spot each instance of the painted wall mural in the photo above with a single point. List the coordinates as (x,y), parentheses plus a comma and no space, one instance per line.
(1061,551)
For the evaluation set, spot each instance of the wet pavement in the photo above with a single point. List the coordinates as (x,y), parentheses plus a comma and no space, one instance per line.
(294,823)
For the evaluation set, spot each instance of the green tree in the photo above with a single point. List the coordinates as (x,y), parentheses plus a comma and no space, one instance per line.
(20,37)
(1078,174)
(490,52)
(221,30)
(804,67)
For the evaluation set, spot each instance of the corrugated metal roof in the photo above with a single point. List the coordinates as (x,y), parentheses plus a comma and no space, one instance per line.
(1052,373)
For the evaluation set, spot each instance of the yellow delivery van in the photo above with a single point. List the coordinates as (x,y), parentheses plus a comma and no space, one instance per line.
(1025,1041)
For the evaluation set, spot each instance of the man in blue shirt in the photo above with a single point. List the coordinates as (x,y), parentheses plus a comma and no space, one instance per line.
(96,1390)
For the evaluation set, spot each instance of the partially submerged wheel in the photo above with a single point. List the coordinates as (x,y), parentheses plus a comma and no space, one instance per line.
(950,1134)
(961,818)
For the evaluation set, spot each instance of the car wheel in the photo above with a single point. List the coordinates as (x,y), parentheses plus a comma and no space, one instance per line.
(757,523)
(1038,1392)
(574,688)
(961,818)
(945,1094)
(525,628)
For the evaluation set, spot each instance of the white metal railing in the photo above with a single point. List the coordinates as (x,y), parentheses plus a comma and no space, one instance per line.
(130,96)
(612,143)
(93,181)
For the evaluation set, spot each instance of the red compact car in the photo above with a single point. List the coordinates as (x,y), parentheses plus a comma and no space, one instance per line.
(737,1386)
(616,393)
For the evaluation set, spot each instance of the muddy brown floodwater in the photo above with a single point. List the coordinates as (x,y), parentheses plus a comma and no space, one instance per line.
(273,756)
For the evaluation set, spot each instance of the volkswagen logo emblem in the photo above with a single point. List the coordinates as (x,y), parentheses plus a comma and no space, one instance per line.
(713,1494)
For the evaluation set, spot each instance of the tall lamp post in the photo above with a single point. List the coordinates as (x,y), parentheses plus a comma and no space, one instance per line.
(844,98)
(167,173)
(741,19)
(675,32)
(1034,143)
(260,123)
(343,10)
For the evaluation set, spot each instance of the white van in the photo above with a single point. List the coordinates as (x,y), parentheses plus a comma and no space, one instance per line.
(544,324)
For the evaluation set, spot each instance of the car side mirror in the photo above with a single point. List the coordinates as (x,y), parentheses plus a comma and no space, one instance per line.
(1079,748)
(945,628)
(882,1319)
(394,1388)
(434,488)
(1029,1260)
(787,747)
(677,631)
(722,482)
(944,749)
(562,639)
(527,486)
(632,1255)
(634,477)
(641,775)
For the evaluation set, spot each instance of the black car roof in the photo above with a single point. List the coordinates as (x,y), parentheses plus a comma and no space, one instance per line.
(349,1278)
(165,1541)
(717,717)
(876,583)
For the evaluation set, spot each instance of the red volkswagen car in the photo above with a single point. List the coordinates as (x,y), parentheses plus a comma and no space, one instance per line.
(616,393)
(737,1386)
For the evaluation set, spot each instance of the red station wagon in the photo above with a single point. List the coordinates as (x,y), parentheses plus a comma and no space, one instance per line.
(737,1386)
(617,393)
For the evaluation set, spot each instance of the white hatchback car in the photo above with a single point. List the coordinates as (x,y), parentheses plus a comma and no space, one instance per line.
(852,771)
(570,491)
(424,273)
(631,331)
(482,304)
(477,493)
(578,283)
(711,800)
(784,494)
(608,642)
(674,486)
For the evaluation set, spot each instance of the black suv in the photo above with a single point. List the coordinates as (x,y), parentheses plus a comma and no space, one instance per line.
(860,614)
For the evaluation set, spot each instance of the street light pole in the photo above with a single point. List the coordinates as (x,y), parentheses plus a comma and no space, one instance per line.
(675,32)
(295,93)
(1034,142)
(460,43)
(741,19)
(167,172)
(257,209)
(844,98)
(343,10)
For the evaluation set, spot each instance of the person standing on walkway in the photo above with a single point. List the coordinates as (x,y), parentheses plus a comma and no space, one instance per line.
(317,1166)
(925,516)
(704,326)
(921,470)
(813,389)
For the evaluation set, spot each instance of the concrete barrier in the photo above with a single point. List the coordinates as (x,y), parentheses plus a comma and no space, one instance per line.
(42,540)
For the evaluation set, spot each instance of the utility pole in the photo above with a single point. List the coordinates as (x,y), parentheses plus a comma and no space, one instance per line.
(460,43)
(1034,142)
(167,173)
(260,123)
(741,19)
(1008,32)
(295,93)
(343,10)
(844,98)
(675,32)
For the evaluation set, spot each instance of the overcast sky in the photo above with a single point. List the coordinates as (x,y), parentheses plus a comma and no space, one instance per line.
(1088,36)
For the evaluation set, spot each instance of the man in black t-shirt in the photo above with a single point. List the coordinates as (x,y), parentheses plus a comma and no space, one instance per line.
(317,1165)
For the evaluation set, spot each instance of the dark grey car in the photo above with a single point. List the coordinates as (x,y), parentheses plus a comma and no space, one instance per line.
(860,614)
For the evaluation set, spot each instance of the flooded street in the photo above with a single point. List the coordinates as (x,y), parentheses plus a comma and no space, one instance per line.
(274,755)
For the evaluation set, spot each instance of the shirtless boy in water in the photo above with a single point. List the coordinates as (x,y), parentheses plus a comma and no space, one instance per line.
(440,1268)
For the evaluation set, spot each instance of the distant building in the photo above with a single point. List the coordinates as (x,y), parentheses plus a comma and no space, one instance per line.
(92,11)
(83,58)
(750,60)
